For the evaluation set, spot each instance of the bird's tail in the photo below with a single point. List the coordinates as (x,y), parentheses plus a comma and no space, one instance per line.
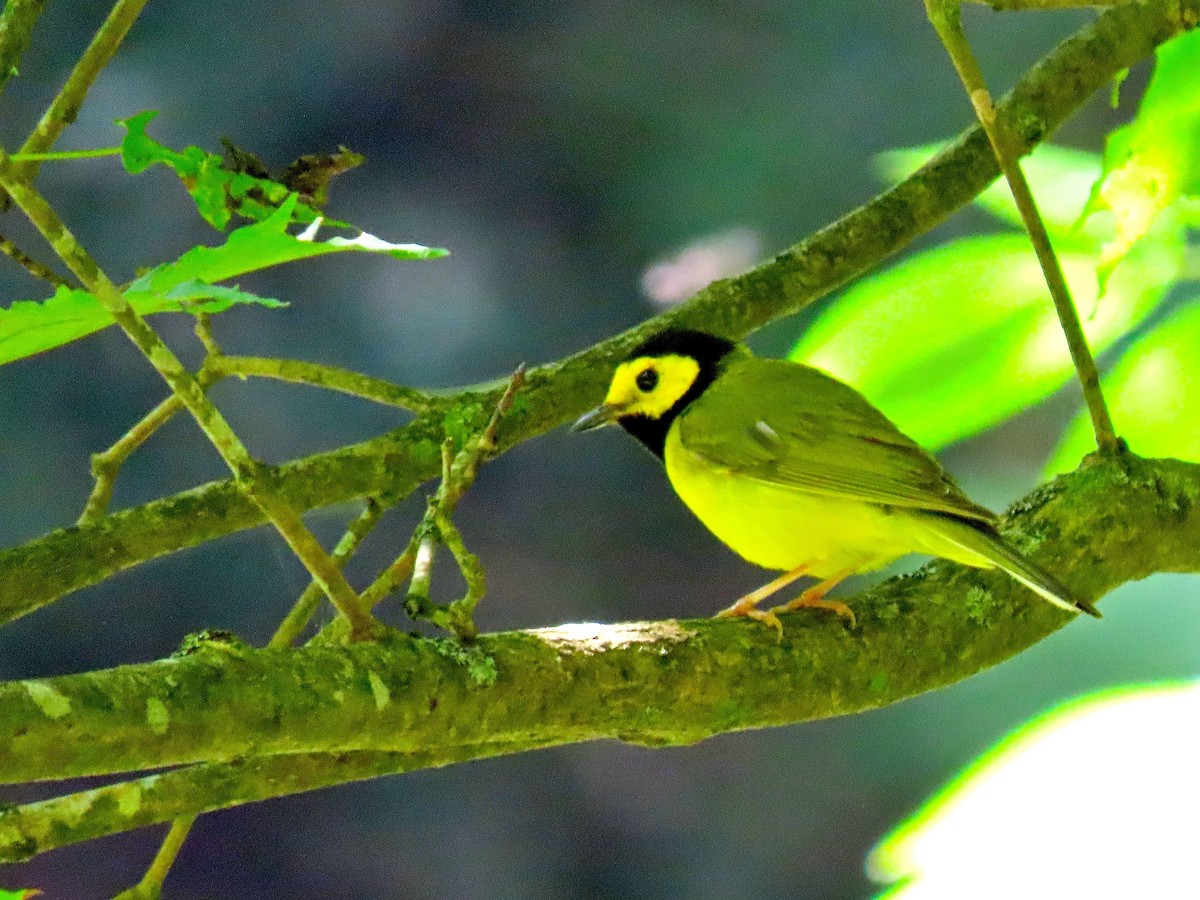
(982,540)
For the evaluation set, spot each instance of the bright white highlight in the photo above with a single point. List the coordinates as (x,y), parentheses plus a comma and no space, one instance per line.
(1100,798)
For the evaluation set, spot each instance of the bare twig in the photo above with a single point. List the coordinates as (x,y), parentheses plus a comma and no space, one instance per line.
(458,474)
(946,17)
(306,604)
(332,378)
(150,887)
(16,30)
(107,463)
(1011,5)
(217,366)
(65,106)
(32,266)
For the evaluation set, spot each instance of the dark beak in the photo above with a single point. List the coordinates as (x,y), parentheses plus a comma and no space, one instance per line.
(597,418)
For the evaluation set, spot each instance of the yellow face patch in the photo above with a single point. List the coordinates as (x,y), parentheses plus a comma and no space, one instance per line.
(651,385)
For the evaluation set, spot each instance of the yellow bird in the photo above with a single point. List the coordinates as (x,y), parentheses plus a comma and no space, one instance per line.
(798,472)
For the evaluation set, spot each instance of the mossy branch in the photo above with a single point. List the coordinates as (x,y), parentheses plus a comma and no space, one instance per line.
(65,107)
(430,702)
(16,31)
(40,571)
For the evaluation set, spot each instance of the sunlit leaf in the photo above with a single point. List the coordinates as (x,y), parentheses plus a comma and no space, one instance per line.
(1153,393)
(1098,798)
(20,894)
(963,336)
(269,243)
(1061,180)
(187,285)
(1152,162)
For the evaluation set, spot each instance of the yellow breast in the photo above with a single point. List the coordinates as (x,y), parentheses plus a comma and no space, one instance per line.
(782,528)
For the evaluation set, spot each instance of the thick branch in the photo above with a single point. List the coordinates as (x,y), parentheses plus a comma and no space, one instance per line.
(43,570)
(1109,522)
(30,829)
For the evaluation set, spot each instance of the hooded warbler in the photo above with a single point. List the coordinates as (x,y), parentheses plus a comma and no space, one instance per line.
(798,472)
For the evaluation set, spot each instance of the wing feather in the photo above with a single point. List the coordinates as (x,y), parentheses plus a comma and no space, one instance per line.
(793,425)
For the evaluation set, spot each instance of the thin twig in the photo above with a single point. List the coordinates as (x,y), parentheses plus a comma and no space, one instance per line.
(946,17)
(217,366)
(458,474)
(107,463)
(150,887)
(306,604)
(416,562)
(332,378)
(64,155)
(65,106)
(35,268)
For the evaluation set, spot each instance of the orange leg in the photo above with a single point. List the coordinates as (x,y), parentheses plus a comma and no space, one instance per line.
(815,597)
(748,605)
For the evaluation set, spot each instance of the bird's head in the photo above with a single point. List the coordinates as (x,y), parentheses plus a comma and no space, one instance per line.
(656,382)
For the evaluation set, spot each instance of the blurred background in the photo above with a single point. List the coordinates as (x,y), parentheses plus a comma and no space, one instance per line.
(559,150)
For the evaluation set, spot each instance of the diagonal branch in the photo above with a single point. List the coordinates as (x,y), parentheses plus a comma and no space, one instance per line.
(43,570)
(653,683)
(946,17)
(62,110)
(16,30)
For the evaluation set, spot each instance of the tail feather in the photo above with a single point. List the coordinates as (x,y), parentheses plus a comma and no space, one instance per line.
(981,539)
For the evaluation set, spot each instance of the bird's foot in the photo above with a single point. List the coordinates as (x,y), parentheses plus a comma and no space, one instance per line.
(814,598)
(748,606)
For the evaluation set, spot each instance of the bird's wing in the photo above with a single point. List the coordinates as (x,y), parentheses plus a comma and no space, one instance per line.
(793,425)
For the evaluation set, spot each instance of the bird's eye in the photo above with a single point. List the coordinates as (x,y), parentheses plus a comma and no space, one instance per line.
(647,380)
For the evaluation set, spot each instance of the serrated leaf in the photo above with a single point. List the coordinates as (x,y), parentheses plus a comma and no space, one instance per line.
(29,327)
(187,285)
(1061,180)
(1153,394)
(268,243)
(1155,160)
(960,337)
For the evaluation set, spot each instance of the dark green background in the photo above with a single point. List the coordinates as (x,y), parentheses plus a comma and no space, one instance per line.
(557,149)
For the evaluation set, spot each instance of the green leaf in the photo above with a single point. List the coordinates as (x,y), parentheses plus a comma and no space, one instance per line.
(29,327)
(1155,160)
(963,336)
(20,894)
(268,243)
(186,285)
(218,190)
(1061,180)
(1153,393)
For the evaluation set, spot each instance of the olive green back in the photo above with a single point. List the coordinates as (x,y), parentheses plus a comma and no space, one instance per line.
(793,425)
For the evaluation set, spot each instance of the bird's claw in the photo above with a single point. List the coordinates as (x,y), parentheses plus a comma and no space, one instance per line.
(748,608)
(805,602)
